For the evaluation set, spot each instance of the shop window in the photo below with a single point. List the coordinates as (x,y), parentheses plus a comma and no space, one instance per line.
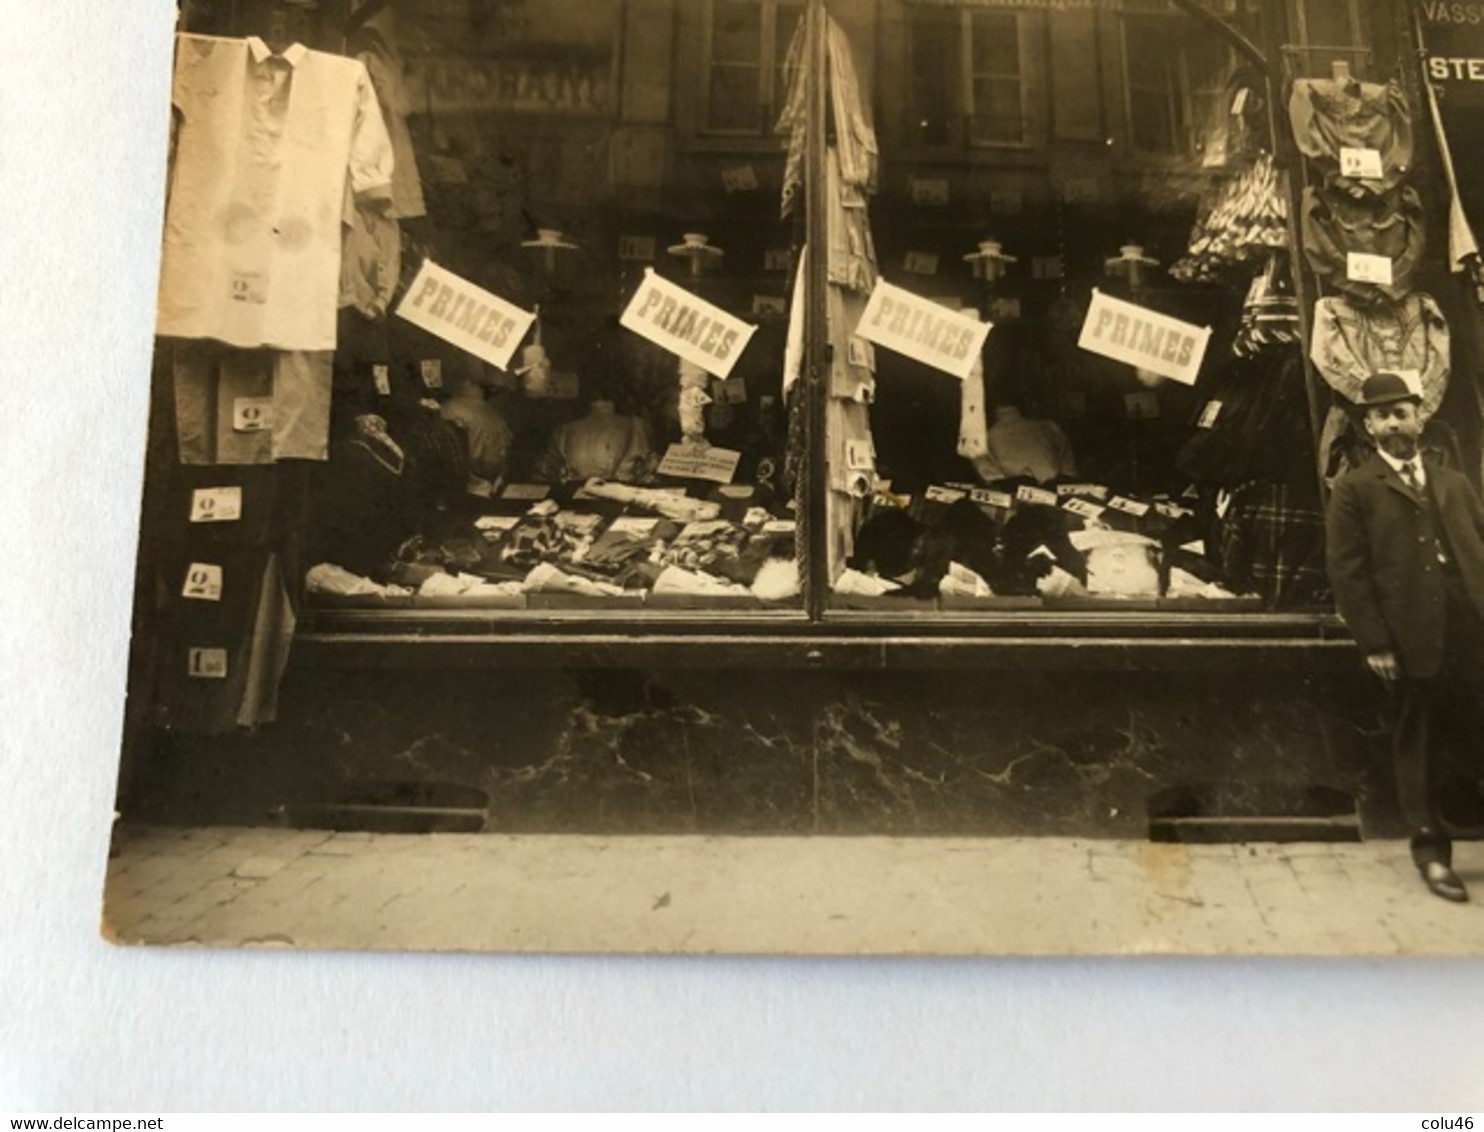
(1330,31)
(968,77)
(748,44)
(1176,83)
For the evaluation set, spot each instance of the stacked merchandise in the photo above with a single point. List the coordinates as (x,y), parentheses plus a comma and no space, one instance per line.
(1247,220)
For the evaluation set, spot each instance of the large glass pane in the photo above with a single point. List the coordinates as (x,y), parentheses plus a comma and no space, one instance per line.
(1133,434)
(737,31)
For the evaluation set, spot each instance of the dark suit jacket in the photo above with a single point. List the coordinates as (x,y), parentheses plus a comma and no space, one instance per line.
(1383,569)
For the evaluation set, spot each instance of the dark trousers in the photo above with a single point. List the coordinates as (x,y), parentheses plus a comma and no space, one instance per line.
(1437,741)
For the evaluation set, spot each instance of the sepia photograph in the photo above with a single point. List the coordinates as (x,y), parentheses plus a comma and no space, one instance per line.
(812,477)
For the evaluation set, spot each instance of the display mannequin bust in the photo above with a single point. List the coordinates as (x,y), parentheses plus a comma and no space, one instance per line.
(485,427)
(604,443)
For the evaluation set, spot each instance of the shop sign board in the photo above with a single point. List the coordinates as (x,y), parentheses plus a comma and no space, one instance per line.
(1141,337)
(549,79)
(686,325)
(464,315)
(688,461)
(922,329)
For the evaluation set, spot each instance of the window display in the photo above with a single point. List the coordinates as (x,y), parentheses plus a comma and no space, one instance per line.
(515,307)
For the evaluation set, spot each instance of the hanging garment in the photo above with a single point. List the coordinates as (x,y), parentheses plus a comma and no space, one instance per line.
(1272,544)
(1352,342)
(252,250)
(384,65)
(217,389)
(1329,116)
(371,259)
(1247,219)
(1252,423)
(1391,227)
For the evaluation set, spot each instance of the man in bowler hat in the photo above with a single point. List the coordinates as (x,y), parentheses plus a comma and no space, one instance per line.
(1406,562)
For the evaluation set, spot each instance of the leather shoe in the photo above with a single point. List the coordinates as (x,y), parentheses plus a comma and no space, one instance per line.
(1443,881)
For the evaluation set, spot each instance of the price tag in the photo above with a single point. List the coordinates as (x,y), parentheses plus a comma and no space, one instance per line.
(775,259)
(1173,510)
(382,376)
(1209,415)
(1096,490)
(1197,547)
(1083,507)
(1363,163)
(739,179)
(203,582)
(633,525)
(1028,494)
(1046,267)
(1007,202)
(769,304)
(432,372)
(525,491)
(937,494)
(780,527)
(732,391)
(249,287)
(1135,507)
(1140,406)
(921,263)
(207,664)
(1001,499)
(1004,310)
(636,249)
(932,191)
(861,353)
(1239,102)
(252,414)
(859,457)
(216,505)
(1361,267)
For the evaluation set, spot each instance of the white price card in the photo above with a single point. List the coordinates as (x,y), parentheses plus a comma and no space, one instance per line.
(382,376)
(859,457)
(921,263)
(432,372)
(1362,163)
(732,391)
(1209,415)
(252,414)
(1028,494)
(929,191)
(939,494)
(780,527)
(636,249)
(775,259)
(203,582)
(1001,499)
(769,304)
(1361,267)
(1083,507)
(207,664)
(1096,490)
(739,179)
(860,353)
(525,491)
(216,505)
(1173,510)
(1135,507)
(686,461)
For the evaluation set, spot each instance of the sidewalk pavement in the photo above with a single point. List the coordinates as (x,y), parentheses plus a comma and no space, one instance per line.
(264,887)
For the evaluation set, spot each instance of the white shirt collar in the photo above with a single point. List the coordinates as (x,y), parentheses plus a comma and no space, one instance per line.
(1396,465)
(293,55)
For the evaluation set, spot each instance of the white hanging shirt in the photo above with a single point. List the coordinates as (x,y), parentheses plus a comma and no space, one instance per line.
(266,146)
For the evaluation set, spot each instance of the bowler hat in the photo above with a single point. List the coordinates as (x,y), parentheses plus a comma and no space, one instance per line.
(1385,389)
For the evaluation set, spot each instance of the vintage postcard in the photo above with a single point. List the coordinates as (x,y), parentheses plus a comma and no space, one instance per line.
(813,476)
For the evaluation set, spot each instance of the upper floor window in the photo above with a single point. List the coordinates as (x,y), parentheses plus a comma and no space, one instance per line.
(968,77)
(1175,75)
(748,44)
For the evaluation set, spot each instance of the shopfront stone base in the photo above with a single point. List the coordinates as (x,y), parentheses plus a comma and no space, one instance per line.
(745,752)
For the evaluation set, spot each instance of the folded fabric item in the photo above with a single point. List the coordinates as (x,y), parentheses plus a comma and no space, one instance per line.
(1272,544)
(777,580)
(669,504)
(1183,584)
(327,578)
(676,580)
(960,581)
(1351,342)
(466,585)
(1247,219)
(860,584)
(1330,116)
(1122,570)
(1058,583)
(1336,227)
(1100,538)
(546,578)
